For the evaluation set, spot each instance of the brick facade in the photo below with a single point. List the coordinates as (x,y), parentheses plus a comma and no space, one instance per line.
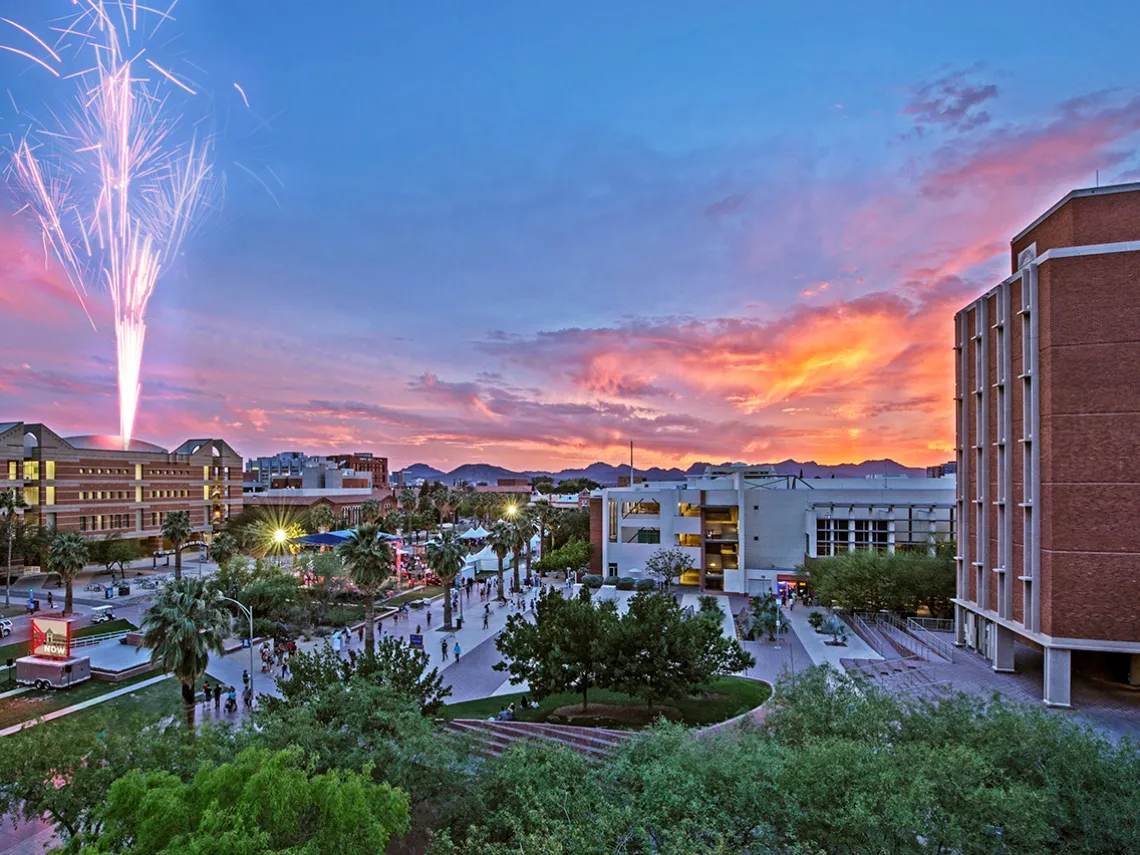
(84,486)
(1048,401)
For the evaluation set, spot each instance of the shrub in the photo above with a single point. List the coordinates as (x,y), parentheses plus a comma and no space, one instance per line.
(709,603)
(646,585)
(624,583)
(592,580)
(816,621)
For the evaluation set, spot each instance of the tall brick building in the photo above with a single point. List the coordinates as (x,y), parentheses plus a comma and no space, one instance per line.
(1048,438)
(88,485)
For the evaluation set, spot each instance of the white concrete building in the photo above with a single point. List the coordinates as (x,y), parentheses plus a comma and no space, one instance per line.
(747,529)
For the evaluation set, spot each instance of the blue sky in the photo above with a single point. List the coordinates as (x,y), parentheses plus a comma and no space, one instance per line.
(528,232)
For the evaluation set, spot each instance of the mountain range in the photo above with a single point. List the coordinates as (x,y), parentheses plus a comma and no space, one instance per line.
(607,474)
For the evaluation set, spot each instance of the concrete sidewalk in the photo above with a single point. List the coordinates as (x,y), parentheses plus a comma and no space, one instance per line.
(815,644)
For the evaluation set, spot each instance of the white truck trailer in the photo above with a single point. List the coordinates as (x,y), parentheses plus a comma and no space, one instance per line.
(47,673)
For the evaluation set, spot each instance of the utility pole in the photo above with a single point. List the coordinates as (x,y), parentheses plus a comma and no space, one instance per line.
(632,480)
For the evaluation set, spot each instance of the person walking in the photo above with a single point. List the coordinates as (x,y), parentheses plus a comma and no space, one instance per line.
(443,649)
(486,619)
(205,695)
(457,651)
(217,696)
(429,617)
(244,677)
(51,605)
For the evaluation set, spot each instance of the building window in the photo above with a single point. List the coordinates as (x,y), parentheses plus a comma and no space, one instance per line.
(647,535)
(83,523)
(831,536)
(613,514)
(138,494)
(645,506)
(12,470)
(31,470)
(49,470)
(49,495)
(138,472)
(688,540)
(611,570)
(686,510)
(32,495)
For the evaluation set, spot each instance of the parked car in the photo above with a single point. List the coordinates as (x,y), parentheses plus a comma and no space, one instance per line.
(5,627)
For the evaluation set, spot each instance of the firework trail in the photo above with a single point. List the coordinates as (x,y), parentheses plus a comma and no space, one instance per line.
(112,189)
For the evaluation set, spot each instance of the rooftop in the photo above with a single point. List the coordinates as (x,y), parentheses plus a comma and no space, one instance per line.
(97,442)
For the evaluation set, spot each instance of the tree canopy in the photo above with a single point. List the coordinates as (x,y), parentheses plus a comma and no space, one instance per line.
(900,581)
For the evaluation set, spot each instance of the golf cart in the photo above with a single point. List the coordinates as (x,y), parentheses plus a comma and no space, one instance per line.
(102,614)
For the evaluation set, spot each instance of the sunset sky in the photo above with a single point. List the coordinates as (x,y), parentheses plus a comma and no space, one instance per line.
(525,233)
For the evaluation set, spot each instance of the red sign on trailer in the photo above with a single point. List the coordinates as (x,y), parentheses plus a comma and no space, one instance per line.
(51,637)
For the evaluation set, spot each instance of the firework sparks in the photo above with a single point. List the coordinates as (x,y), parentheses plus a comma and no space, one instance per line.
(113,191)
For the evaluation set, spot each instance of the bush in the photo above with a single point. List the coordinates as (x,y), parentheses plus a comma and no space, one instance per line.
(624,583)
(646,585)
(343,617)
(709,603)
(592,580)
(816,621)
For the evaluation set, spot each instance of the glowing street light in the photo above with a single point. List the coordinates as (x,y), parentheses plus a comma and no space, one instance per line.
(279,536)
(512,510)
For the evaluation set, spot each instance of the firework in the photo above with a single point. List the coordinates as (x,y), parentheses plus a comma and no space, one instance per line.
(112,186)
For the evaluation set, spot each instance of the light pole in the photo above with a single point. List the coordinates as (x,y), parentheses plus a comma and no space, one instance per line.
(249,613)
(779,611)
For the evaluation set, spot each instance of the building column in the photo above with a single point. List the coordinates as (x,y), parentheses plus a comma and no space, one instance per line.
(1003,648)
(959,626)
(1058,674)
(1134,670)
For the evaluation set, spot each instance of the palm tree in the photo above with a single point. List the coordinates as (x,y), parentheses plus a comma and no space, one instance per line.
(177,529)
(223,547)
(368,559)
(408,505)
(185,623)
(10,502)
(323,518)
(517,539)
(501,539)
(527,523)
(66,556)
(370,511)
(446,557)
(545,513)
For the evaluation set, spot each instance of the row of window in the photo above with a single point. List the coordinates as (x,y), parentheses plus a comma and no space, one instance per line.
(833,536)
(90,471)
(104,522)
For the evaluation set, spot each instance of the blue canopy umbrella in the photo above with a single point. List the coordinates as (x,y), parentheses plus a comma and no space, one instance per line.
(332,538)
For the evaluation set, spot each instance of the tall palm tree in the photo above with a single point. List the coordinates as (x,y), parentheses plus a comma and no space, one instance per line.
(370,511)
(501,539)
(526,522)
(323,518)
(185,623)
(66,556)
(10,502)
(368,559)
(517,539)
(545,514)
(446,556)
(177,529)
(408,506)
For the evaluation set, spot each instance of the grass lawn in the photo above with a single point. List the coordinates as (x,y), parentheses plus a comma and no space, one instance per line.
(29,705)
(147,705)
(730,697)
(428,591)
(23,648)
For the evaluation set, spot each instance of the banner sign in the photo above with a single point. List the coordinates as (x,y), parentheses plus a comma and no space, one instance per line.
(51,637)
(416,641)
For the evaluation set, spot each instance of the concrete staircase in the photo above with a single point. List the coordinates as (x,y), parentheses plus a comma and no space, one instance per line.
(492,738)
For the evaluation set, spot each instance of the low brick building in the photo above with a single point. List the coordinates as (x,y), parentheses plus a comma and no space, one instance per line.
(91,485)
(1048,434)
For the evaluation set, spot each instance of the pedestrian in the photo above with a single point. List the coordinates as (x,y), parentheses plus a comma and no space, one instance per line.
(457,651)
(360,632)
(247,697)
(205,695)
(217,696)
(486,619)
(244,677)
(429,617)
(51,605)
(292,648)
(284,668)
(443,649)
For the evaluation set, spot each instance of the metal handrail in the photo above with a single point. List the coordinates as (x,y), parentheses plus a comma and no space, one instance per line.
(857,624)
(928,638)
(88,640)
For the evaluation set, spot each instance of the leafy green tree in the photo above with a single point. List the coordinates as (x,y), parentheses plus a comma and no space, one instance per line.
(261,802)
(574,554)
(185,623)
(67,556)
(659,654)
(571,525)
(223,547)
(568,647)
(113,551)
(668,564)
(177,530)
(868,580)
(368,558)
(577,485)
(501,540)
(397,664)
(446,556)
(11,502)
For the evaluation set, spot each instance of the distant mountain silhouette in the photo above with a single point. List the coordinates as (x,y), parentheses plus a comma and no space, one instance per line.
(607,474)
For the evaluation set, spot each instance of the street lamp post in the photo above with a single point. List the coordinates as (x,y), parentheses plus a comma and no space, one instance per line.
(249,613)
(779,612)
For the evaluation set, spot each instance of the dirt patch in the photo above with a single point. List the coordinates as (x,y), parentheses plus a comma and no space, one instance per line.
(618,713)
